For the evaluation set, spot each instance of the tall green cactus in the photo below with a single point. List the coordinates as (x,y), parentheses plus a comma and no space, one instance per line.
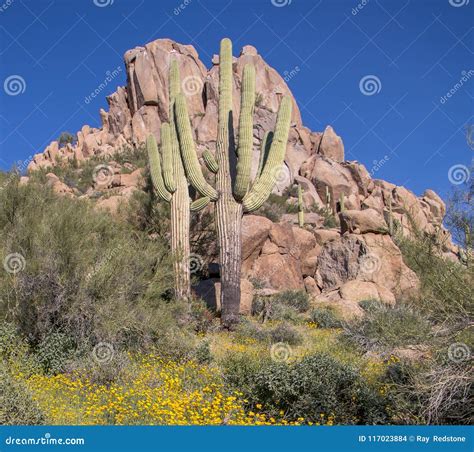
(171,185)
(233,193)
(300,207)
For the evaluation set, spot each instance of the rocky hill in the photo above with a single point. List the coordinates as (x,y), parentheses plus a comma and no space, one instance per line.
(355,260)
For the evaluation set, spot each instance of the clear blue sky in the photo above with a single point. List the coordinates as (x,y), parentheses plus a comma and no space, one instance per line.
(416,49)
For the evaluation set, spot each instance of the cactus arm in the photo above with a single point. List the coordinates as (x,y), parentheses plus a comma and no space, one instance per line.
(188,151)
(244,150)
(210,161)
(300,207)
(155,169)
(341,202)
(167,156)
(264,150)
(200,204)
(264,186)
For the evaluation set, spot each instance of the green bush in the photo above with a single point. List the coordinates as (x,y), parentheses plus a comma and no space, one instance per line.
(54,351)
(447,288)
(388,326)
(297,299)
(85,271)
(325,317)
(248,329)
(317,385)
(285,333)
(16,404)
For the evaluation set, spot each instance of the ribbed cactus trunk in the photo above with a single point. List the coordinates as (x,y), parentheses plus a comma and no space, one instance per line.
(233,194)
(171,185)
(228,210)
(180,213)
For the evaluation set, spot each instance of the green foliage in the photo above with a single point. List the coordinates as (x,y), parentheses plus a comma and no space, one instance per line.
(275,207)
(285,333)
(325,317)
(86,273)
(447,288)
(315,389)
(387,326)
(287,305)
(66,138)
(16,404)
(54,351)
(203,353)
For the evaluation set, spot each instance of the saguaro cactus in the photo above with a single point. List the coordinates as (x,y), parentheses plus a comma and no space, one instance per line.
(234,193)
(300,207)
(171,185)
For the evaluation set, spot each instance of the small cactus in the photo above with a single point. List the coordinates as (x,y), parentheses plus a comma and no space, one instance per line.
(390,217)
(300,207)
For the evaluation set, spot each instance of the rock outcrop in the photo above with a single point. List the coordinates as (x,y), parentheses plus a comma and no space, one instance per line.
(355,260)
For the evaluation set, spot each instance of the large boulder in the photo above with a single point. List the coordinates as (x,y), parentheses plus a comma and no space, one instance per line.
(369,257)
(362,221)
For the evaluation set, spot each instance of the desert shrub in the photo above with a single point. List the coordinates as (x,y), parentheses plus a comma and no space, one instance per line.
(251,330)
(84,272)
(430,393)
(53,352)
(388,326)
(285,333)
(286,306)
(297,299)
(318,389)
(203,353)
(447,288)
(370,305)
(275,206)
(325,317)
(17,406)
